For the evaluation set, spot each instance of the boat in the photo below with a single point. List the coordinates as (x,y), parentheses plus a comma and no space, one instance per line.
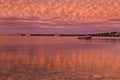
(85,37)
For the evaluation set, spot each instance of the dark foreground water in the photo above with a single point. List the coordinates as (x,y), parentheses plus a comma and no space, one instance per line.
(59,58)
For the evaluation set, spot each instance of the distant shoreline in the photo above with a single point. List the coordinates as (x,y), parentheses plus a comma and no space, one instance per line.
(64,35)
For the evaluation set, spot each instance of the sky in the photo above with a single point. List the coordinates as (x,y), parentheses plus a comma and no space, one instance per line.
(59,16)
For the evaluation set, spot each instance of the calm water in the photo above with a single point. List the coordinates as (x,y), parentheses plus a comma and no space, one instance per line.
(59,58)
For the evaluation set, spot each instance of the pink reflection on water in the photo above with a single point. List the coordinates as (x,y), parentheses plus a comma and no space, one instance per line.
(63,57)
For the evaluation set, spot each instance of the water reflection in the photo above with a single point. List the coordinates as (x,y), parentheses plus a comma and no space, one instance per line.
(74,60)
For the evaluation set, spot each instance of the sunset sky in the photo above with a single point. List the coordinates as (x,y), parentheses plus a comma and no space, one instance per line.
(59,16)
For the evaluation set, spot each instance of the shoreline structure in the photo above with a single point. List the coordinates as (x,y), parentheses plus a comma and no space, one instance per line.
(110,34)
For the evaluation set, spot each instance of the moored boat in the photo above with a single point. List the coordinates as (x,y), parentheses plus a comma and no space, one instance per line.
(85,37)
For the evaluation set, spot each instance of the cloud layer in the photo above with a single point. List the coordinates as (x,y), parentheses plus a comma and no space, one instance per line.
(59,16)
(62,10)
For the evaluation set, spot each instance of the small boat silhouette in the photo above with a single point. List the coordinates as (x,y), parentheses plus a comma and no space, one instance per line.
(85,37)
